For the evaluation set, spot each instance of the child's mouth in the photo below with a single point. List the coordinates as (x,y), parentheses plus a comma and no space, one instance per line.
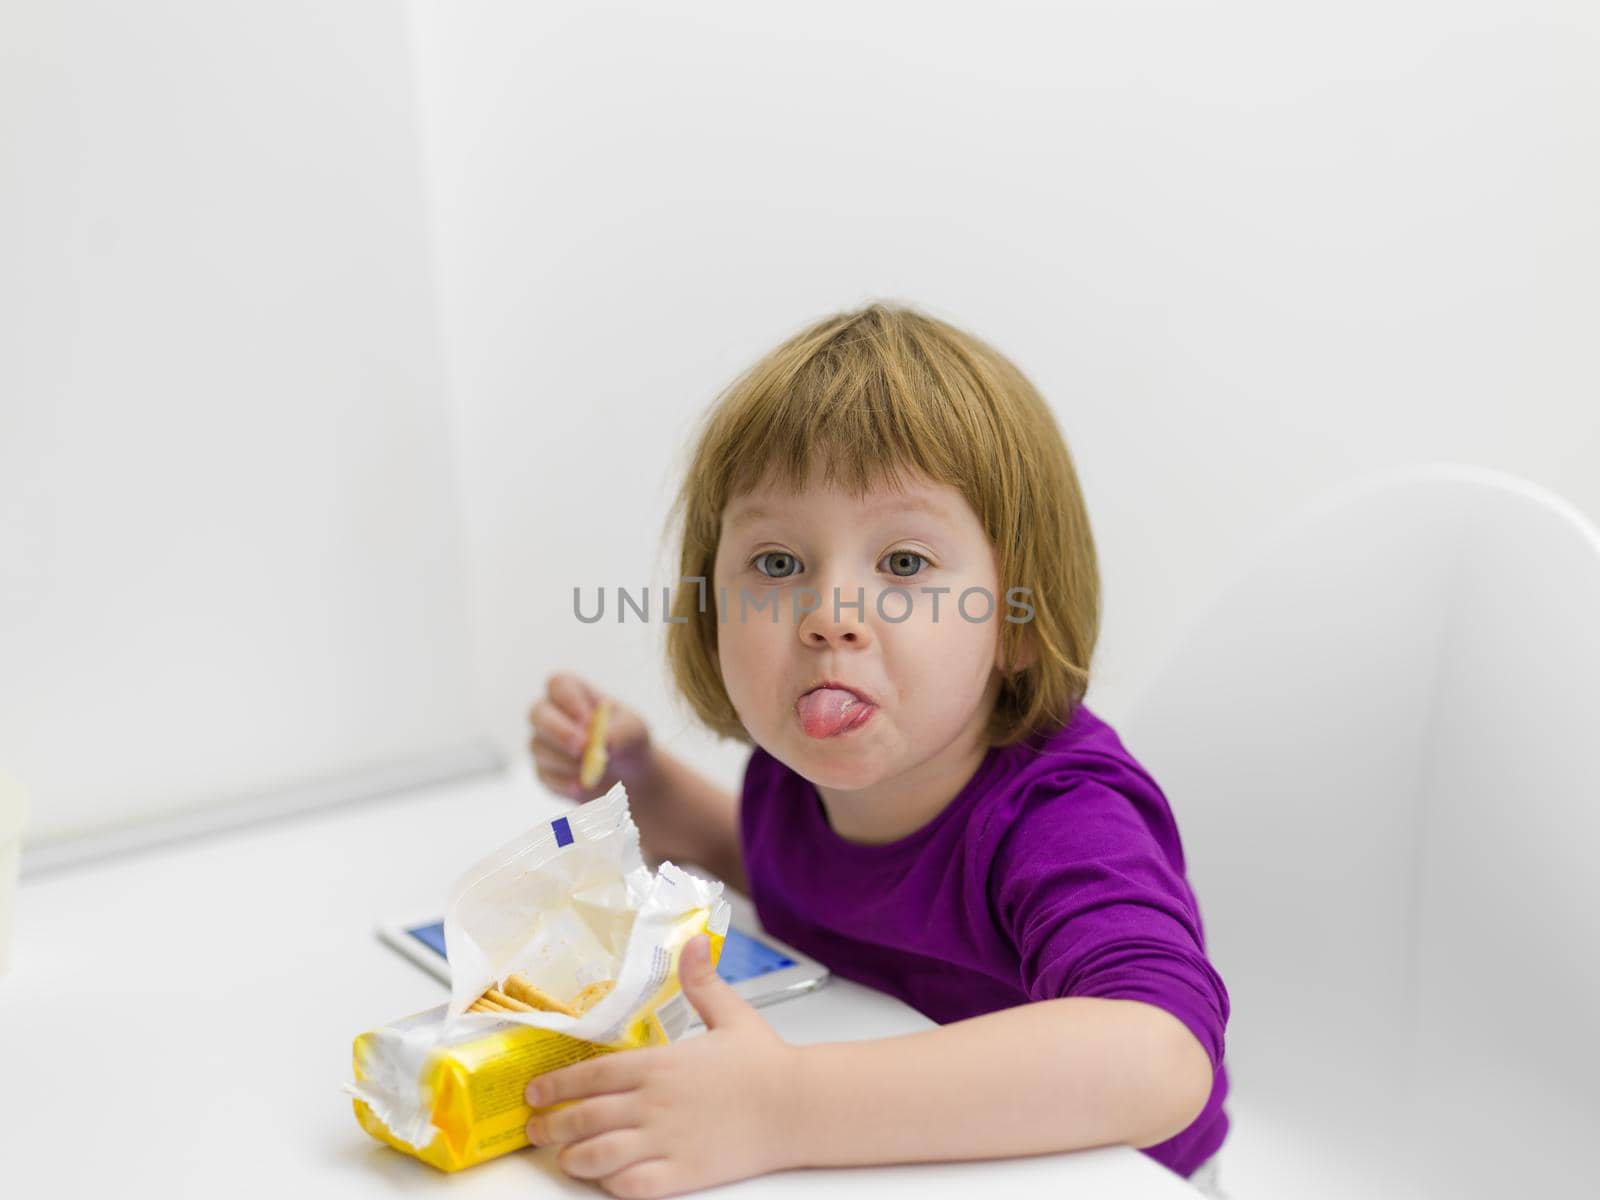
(826,712)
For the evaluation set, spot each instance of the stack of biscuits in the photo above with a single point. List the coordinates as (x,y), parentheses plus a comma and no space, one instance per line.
(517,993)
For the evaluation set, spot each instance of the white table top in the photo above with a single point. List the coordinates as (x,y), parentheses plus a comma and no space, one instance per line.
(182,1018)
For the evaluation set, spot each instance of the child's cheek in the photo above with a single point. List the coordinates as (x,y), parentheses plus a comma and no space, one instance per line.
(953,656)
(745,657)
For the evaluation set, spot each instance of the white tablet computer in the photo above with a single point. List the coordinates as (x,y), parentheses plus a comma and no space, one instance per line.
(761,969)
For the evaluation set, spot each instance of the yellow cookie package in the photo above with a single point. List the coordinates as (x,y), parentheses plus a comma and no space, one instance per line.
(563,945)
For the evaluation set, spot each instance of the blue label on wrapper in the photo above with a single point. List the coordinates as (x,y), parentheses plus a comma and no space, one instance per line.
(563,831)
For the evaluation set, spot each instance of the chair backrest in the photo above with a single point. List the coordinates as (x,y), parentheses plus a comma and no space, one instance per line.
(1382,745)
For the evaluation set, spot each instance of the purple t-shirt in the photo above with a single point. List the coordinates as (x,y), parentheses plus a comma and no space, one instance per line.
(1056,871)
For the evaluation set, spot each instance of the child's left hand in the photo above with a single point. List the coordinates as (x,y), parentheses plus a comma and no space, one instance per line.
(669,1119)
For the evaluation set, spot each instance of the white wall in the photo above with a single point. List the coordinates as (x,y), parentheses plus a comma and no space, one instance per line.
(1247,250)
(230,557)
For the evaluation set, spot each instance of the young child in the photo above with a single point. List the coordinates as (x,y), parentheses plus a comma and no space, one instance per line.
(901,600)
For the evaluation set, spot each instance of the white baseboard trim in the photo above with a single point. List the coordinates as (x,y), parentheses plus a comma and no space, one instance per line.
(476,758)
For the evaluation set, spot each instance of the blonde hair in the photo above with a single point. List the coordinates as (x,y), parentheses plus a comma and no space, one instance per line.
(871,397)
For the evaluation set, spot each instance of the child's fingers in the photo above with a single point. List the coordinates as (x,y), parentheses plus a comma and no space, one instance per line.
(567,744)
(557,728)
(563,784)
(557,769)
(550,757)
(573,695)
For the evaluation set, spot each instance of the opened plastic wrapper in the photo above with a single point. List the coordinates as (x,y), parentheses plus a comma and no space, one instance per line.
(566,905)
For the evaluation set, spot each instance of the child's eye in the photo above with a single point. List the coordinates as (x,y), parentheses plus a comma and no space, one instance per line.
(787,564)
(904,563)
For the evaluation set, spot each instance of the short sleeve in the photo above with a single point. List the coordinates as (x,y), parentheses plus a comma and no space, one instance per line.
(1095,909)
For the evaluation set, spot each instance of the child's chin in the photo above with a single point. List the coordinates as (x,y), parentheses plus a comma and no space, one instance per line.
(832,765)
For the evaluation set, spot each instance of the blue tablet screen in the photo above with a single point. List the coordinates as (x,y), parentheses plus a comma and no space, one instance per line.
(742,957)
(431,936)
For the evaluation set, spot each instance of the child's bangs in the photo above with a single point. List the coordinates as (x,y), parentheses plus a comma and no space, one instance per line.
(853,418)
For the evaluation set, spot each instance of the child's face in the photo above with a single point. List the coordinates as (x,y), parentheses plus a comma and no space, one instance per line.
(928,684)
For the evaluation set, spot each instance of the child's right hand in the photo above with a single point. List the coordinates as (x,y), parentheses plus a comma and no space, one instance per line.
(560,722)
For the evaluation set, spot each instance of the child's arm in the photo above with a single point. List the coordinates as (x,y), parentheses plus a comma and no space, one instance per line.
(740,1101)
(1048,1076)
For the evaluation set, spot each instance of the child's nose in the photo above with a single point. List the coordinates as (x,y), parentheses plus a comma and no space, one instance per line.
(822,637)
(823,626)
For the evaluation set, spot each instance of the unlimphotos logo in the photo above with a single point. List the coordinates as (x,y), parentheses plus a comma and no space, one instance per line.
(893,605)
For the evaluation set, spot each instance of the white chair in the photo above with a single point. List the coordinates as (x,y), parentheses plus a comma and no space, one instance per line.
(1382,745)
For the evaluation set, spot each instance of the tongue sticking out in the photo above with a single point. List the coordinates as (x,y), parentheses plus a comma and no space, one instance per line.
(827,711)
